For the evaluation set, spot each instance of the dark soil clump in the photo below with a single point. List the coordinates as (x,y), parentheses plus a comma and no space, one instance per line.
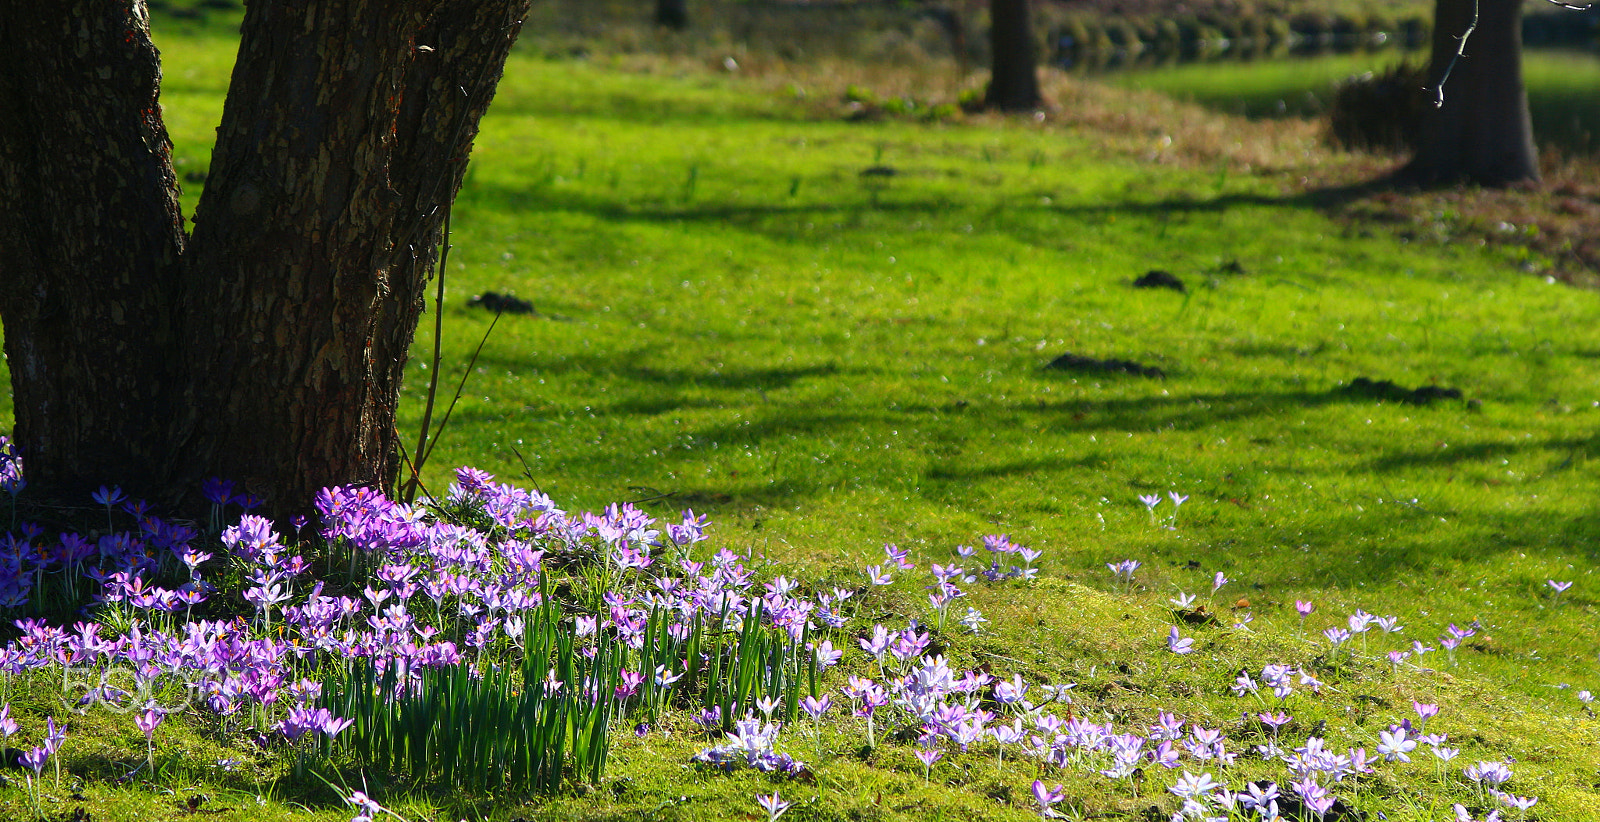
(1161,279)
(1386,390)
(502,303)
(1090,365)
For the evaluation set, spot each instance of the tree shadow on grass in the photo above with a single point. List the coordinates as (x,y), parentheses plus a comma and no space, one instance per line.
(1193,412)
(728,378)
(783,221)
(1485,452)
(1383,535)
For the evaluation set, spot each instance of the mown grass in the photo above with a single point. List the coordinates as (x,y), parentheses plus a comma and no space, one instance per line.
(733,318)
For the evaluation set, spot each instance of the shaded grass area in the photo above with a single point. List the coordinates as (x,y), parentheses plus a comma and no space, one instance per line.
(1565,112)
(1297,87)
(732,317)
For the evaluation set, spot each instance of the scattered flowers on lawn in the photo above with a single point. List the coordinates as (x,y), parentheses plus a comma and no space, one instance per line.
(463,585)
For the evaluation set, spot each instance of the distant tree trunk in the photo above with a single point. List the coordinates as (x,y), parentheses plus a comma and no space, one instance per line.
(267,347)
(1014,78)
(672,13)
(1482,133)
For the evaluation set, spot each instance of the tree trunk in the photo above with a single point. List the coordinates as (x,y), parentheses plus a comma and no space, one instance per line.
(90,239)
(268,347)
(1482,133)
(1014,79)
(672,13)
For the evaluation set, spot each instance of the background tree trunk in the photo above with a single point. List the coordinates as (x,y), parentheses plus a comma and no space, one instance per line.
(1014,78)
(672,13)
(1482,133)
(270,348)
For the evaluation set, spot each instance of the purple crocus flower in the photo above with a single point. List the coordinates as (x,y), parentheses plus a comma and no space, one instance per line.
(773,804)
(148,720)
(815,708)
(1047,798)
(35,758)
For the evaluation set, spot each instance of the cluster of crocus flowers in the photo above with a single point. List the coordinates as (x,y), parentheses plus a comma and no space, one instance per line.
(751,744)
(435,592)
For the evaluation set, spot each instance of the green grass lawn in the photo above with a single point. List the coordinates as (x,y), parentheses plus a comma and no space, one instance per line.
(733,318)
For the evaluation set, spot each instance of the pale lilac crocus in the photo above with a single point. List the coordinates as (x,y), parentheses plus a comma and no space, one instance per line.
(35,759)
(1463,815)
(1047,798)
(366,807)
(816,708)
(1521,803)
(1123,571)
(1304,609)
(1394,744)
(773,804)
(1274,721)
(972,620)
(8,726)
(928,756)
(1179,644)
(1488,773)
(1441,757)
(1316,798)
(878,645)
(1264,801)
(147,721)
(1009,693)
(109,497)
(1177,502)
(1190,786)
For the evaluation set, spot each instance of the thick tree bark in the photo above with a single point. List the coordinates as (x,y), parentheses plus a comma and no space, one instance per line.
(672,13)
(1482,133)
(90,237)
(1014,78)
(267,348)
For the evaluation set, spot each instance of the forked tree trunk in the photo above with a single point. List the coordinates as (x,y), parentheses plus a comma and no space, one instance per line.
(268,347)
(1014,77)
(1482,133)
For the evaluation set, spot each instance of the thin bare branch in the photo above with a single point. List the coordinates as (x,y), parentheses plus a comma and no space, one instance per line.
(1461,50)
